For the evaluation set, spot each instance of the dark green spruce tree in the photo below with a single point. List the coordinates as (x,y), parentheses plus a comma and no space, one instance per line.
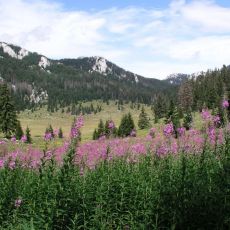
(100,131)
(8,117)
(28,136)
(18,132)
(95,134)
(143,122)
(126,125)
(101,128)
(60,133)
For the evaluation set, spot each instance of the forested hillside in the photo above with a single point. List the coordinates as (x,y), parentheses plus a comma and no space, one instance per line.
(36,80)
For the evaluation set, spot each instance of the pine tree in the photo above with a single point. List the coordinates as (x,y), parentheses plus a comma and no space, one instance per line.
(126,125)
(19,132)
(170,112)
(143,121)
(106,129)
(131,122)
(8,117)
(185,96)
(60,133)
(160,108)
(101,128)
(95,135)
(28,136)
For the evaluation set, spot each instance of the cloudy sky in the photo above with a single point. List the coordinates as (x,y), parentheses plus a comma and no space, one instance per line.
(153,38)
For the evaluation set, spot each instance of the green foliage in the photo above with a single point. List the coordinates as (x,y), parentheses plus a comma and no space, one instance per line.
(126,125)
(160,108)
(187,122)
(175,118)
(28,136)
(8,117)
(143,121)
(207,89)
(185,96)
(170,112)
(18,132)
(156,193)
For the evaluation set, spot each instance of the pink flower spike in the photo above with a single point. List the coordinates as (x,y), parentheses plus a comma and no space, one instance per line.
(111,125)
(48,136)
(205,114)
(181,131)
(2,163)
(168,130)
(24,139)
(12,165)
(17,203)
(133,133)
(75,130)
(225,104)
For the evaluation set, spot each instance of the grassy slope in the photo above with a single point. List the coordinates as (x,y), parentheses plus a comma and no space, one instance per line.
(40,119)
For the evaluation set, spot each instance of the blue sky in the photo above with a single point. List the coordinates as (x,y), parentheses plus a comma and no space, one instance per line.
(151,38)
(104,4)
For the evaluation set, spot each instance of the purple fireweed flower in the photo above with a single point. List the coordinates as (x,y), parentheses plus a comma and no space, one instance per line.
(75,130)
(18,203)
(2,142)
(152,132)
(168,130)
(111,125)
(133,133)
(211,134)
(181,131)
(12,165)
(48,136)
(225,104)
(2,163)
(174,147)
(24,139)
(162,150)
(81,172)
(102,138)
(13,139)
(138,148)
(205,114)
(49,155)
(56,131)
(216,120)
(149,137)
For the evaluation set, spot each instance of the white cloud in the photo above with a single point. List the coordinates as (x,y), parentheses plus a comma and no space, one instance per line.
(184,37)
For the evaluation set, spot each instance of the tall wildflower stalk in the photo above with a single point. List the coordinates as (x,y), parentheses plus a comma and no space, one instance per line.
(67,208)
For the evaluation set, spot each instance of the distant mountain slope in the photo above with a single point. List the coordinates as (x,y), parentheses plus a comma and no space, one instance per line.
(177,78)
(36,79)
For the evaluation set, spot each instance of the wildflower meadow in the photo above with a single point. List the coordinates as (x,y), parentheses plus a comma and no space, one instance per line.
(170,179)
